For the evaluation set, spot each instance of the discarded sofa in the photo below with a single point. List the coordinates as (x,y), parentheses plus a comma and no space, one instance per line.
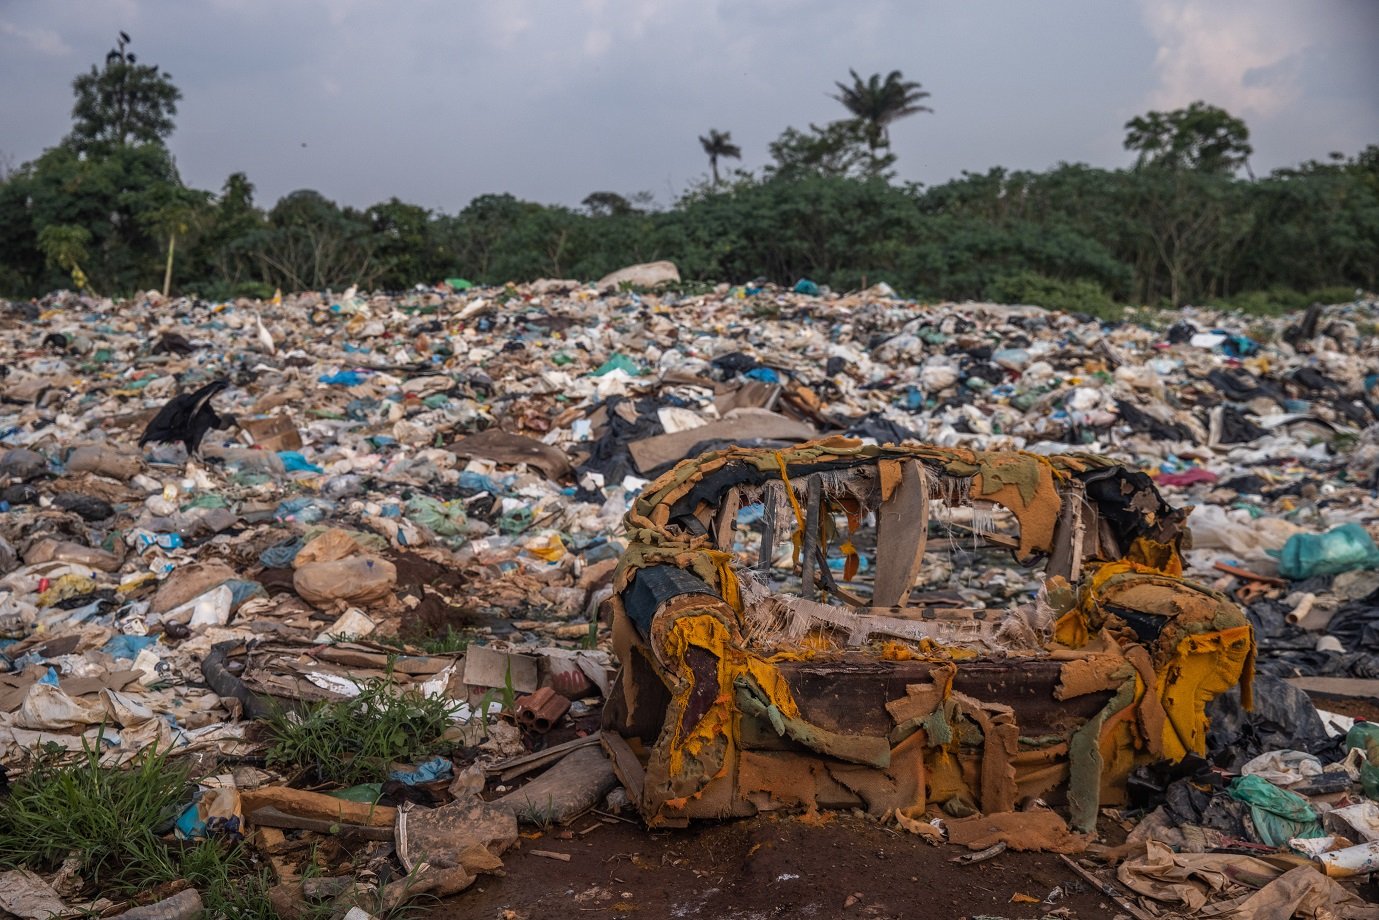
(734,696)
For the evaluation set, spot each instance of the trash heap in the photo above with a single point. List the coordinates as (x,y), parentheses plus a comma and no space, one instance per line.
(341,562)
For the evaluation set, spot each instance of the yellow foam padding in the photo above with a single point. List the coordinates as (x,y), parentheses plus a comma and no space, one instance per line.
(709,633)
(1198,667)
(1076,627)
(727,580)
(1071,629)
(1204,665)
(1162,557)
(1120,743)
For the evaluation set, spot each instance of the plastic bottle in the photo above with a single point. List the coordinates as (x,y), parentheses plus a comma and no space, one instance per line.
(1357,860)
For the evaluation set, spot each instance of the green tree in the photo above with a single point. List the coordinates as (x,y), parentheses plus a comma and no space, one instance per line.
(875,103)
(223,259)
(840,149)
(719,144)
(608,204)
(310,243)
(112,178)
(175,211)
(406,243)
(111,196)
(122,103)
(478,232)
(64,246)
(1201,137)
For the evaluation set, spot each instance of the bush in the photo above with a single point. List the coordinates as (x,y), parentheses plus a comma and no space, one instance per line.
(1080,296)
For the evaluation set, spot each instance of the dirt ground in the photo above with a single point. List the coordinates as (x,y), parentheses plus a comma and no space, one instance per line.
(778,866)
(766,867)
(1352,706)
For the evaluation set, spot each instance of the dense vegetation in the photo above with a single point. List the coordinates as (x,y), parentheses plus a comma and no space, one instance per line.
(106,210)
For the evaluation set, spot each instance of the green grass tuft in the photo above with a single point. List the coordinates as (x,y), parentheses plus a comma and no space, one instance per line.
(353,741)
(108,817)
(231,885)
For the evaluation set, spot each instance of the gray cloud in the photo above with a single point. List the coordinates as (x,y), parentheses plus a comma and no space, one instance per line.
(437,102)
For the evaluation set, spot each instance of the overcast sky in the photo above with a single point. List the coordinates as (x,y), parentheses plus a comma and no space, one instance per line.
(436,102)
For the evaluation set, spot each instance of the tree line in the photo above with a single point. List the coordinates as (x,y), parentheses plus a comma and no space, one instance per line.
(105,210)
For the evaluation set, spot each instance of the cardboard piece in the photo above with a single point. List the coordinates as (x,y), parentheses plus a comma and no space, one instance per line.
(277,432)
(502,447)
(488,667)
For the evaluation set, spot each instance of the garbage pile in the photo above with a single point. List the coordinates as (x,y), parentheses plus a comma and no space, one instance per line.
(348,563)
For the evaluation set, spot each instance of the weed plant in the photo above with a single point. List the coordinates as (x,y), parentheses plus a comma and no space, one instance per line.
(108,817)
(353,741)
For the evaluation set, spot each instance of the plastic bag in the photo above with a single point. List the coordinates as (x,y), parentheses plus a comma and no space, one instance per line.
(1283,768)
(332,545)
(355,580)
(343,379)
(1340,550)
(1278,814)
(444,519)
(295,462)
(280,555)
(1213,527)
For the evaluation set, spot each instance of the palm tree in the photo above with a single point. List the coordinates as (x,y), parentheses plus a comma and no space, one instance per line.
(719,144)
(875,103)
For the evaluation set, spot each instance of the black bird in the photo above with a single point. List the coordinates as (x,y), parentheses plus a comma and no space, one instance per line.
(171,343)
(186,418)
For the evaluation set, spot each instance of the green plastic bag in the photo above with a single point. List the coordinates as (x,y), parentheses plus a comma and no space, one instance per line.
(1365,736)
(1340,550)
(619,362)
(1278,814)
(444,519)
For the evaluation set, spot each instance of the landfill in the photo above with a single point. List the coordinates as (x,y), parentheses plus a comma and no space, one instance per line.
(403,585)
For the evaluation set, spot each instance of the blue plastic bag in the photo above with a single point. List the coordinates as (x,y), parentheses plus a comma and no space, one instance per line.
(128,646)
(343,378)
(295,462)
(280,555)
(764,374)
(426,772)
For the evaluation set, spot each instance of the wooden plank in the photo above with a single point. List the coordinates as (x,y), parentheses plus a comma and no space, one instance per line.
(814,491)
(1066,557)
(269,816)
(514,767)
(630,771)
(649,453)
(850,695)
(769,499)
(902,529)
(316,806)
(725,521)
